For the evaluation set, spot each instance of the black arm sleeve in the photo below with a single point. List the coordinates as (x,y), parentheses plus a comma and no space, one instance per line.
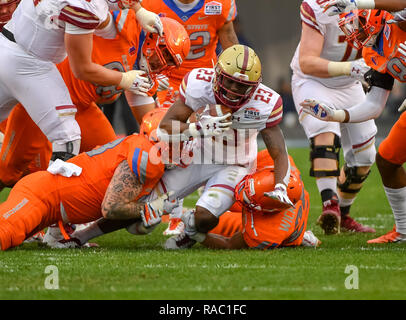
(380,80)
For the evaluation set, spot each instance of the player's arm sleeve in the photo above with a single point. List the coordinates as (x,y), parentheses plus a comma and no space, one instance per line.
(311,18)
(380,85)
(276,115)
(231,14)
(77,18)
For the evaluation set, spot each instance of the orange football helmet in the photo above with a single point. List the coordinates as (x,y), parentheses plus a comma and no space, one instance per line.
(166,52)
(7,7)
(150,123)
(361,27)
(249,192)
(171,154)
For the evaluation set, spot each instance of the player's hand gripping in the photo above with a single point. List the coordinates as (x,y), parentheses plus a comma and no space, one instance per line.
(136,82)
(322,111)
(153,210)
(163,82)
(280,194)
(210,126)
(340,6)
(149,21)
(358,69)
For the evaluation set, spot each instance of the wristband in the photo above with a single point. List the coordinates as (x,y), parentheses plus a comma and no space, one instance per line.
(336,69)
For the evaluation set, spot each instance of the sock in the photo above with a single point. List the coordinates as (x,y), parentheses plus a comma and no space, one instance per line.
(328,194)
(397,201)
(88,233)
(344,210)
(327,183)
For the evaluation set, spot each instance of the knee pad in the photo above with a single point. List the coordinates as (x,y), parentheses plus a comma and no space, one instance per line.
(325,152)
(351,177)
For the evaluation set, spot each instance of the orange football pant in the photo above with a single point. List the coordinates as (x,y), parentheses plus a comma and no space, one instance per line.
(393,147)
(26,149)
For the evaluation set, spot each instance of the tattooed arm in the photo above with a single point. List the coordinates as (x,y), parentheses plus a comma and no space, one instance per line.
(227,36)
(124,187)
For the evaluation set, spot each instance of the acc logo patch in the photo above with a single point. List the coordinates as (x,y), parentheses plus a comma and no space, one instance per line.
(213,8)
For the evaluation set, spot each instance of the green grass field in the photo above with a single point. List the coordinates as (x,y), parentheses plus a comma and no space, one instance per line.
(131,267)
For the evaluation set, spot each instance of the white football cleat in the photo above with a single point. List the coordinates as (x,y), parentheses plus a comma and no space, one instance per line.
(54,239)
(310,240)
(181,241)
(175,227)
(38,237)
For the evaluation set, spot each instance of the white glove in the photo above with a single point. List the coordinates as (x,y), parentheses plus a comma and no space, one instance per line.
(120,4)
(340,6)
(135,82)
(163,82)
(358,69)
(280,194)
(210,126)
(322,111)
(402,106)
(152,211)
(398,17)
(149,21)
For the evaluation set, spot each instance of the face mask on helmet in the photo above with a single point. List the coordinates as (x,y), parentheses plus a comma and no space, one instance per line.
(250,191)
(362,27)
(171,154)
(164,53)
(238,74)
(7,7)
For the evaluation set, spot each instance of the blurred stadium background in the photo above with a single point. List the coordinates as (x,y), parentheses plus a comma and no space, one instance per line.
(272,29)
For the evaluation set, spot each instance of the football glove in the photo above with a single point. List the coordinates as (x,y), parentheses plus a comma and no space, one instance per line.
(210,126)
(136,82)
(280,194)
(398,17)
(341,6)
(358,69)
(149,21)
(163,82)
(153,210)
(322,111)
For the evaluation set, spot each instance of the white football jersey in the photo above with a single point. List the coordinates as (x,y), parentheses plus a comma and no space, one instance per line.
(238,145)
(335,48)
(39,25)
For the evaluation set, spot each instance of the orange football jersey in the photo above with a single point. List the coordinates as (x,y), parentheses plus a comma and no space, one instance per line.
(118,54)
(384,56)
(201,23)
(82,196)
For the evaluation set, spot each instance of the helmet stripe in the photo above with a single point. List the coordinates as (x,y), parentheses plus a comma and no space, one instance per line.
(245,61)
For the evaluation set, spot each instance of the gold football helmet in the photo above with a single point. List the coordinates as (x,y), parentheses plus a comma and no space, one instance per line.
(238,74)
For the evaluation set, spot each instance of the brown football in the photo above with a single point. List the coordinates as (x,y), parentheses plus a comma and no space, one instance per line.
(215,110)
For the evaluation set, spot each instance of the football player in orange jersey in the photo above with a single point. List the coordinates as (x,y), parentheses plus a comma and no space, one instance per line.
(260,224)
(206,22)
(112,181)
(380,41)
(25,147)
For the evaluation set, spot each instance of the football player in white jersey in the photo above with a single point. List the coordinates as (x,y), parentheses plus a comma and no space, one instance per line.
(325,66)
(235,82)
(40,34)
(349,5)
